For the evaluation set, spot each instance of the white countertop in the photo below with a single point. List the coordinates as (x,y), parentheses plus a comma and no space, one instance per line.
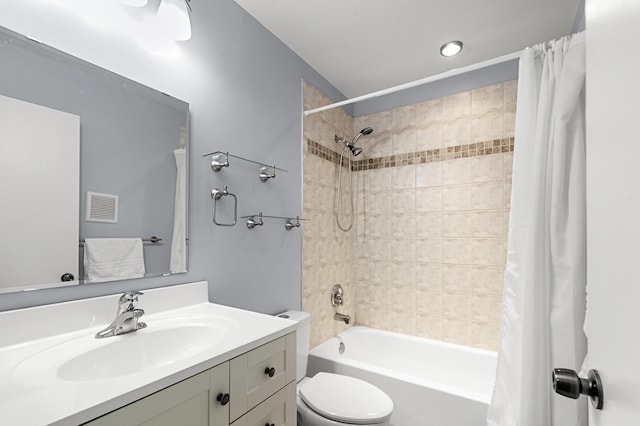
(37,398)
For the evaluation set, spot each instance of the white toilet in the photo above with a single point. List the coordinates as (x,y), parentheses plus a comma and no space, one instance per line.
(333,399)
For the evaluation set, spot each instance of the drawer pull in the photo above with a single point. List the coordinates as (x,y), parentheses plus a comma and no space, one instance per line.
(223,398)
(270,371)
(269,424)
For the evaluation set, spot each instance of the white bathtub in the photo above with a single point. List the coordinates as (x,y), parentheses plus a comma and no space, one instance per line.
(431,383)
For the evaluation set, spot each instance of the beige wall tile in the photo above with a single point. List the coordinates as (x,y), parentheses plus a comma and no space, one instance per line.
(487,279)
(380,180)
(404,140)
(429,136)
(456,106)
(483,308)
(403,274)
(404,177)
(428,175)
(378,145)
(457,306)
(403,250)
(379,226)
(429,276)
(487,168)
(403,201)
(429,302)
(456,197)
(404,117)
(456,224)
(456,171)
(484,336)
(487,99)
(456,132)
(508,166)
(488,251)
(429,225)
(487,196)
(429,326)
(510,95)
(456,278)
(429,199)
(403,225)
(429,250)
(456,251)
(488,126)
(487,224)
(429,112)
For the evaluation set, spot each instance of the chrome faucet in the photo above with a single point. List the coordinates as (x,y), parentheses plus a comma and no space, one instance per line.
(127,316)
(342,317)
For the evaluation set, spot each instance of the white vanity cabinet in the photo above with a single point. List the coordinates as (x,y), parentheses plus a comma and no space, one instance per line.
(255,388)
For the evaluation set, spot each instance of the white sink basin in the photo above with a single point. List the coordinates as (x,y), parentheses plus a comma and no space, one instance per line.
(164,342)
(53,371)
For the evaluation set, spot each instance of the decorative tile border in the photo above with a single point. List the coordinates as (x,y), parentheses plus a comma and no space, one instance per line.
(477,149)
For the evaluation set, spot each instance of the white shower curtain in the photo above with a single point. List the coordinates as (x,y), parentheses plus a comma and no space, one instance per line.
(178,261)
(545,277)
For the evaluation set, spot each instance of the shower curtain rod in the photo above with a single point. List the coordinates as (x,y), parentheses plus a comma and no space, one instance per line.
(446,74)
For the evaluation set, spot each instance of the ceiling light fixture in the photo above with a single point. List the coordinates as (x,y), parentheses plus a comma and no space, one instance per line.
(173,17)
(451,48)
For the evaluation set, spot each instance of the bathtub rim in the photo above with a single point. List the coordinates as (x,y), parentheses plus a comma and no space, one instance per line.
(484,398)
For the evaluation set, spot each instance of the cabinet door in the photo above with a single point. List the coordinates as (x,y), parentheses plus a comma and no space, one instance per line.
(219,387)
(260,373)
(278,410)
(186,404)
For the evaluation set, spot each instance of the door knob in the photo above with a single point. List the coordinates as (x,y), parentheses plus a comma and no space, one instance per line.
(567,383)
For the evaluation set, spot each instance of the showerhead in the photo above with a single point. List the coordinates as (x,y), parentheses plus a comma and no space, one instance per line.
(364,132)
(356,150)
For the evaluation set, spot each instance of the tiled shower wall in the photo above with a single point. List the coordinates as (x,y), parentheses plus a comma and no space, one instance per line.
(433,188)
(328,253)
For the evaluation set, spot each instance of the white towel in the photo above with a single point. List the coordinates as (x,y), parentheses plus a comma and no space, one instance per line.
(109,259)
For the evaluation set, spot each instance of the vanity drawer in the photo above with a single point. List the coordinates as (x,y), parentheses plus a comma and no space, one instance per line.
(260,373)
(278,410)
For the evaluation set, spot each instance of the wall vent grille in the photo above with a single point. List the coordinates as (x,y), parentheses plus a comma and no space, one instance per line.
(101,207)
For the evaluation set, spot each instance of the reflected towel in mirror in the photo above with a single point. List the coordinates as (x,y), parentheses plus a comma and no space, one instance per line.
(108,259)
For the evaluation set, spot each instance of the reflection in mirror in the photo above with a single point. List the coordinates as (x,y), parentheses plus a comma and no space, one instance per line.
(90,220)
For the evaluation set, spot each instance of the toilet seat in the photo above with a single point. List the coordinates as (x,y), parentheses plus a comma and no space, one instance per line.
(346,399)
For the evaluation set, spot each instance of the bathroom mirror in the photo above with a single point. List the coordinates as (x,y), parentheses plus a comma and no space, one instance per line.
(132,158)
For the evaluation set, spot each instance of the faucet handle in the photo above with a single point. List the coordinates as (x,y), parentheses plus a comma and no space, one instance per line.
(129,298)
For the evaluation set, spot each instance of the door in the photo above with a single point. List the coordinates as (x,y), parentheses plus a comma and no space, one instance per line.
(39,192)
(613,206)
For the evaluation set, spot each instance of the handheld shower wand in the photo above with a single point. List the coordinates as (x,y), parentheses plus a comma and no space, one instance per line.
(355,151)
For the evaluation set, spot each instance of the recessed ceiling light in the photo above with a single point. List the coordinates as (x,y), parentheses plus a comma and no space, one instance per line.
(451,48)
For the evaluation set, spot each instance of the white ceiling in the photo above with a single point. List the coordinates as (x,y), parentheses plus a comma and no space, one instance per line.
(362,46)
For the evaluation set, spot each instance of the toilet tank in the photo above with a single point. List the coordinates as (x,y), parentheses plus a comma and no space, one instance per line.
(302,339)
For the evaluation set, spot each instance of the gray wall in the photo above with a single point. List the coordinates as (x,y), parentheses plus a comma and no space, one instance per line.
(244,90)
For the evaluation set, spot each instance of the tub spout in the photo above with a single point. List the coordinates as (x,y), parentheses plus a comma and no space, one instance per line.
(342,317)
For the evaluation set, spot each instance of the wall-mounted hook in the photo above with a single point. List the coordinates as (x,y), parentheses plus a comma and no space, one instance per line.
(252,222)
(267,172)
(288,225)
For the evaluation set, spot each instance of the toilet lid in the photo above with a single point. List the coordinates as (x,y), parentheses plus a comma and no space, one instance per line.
(346,399)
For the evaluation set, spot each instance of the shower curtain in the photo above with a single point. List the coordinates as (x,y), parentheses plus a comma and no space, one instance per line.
(545,277)
(178,261)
